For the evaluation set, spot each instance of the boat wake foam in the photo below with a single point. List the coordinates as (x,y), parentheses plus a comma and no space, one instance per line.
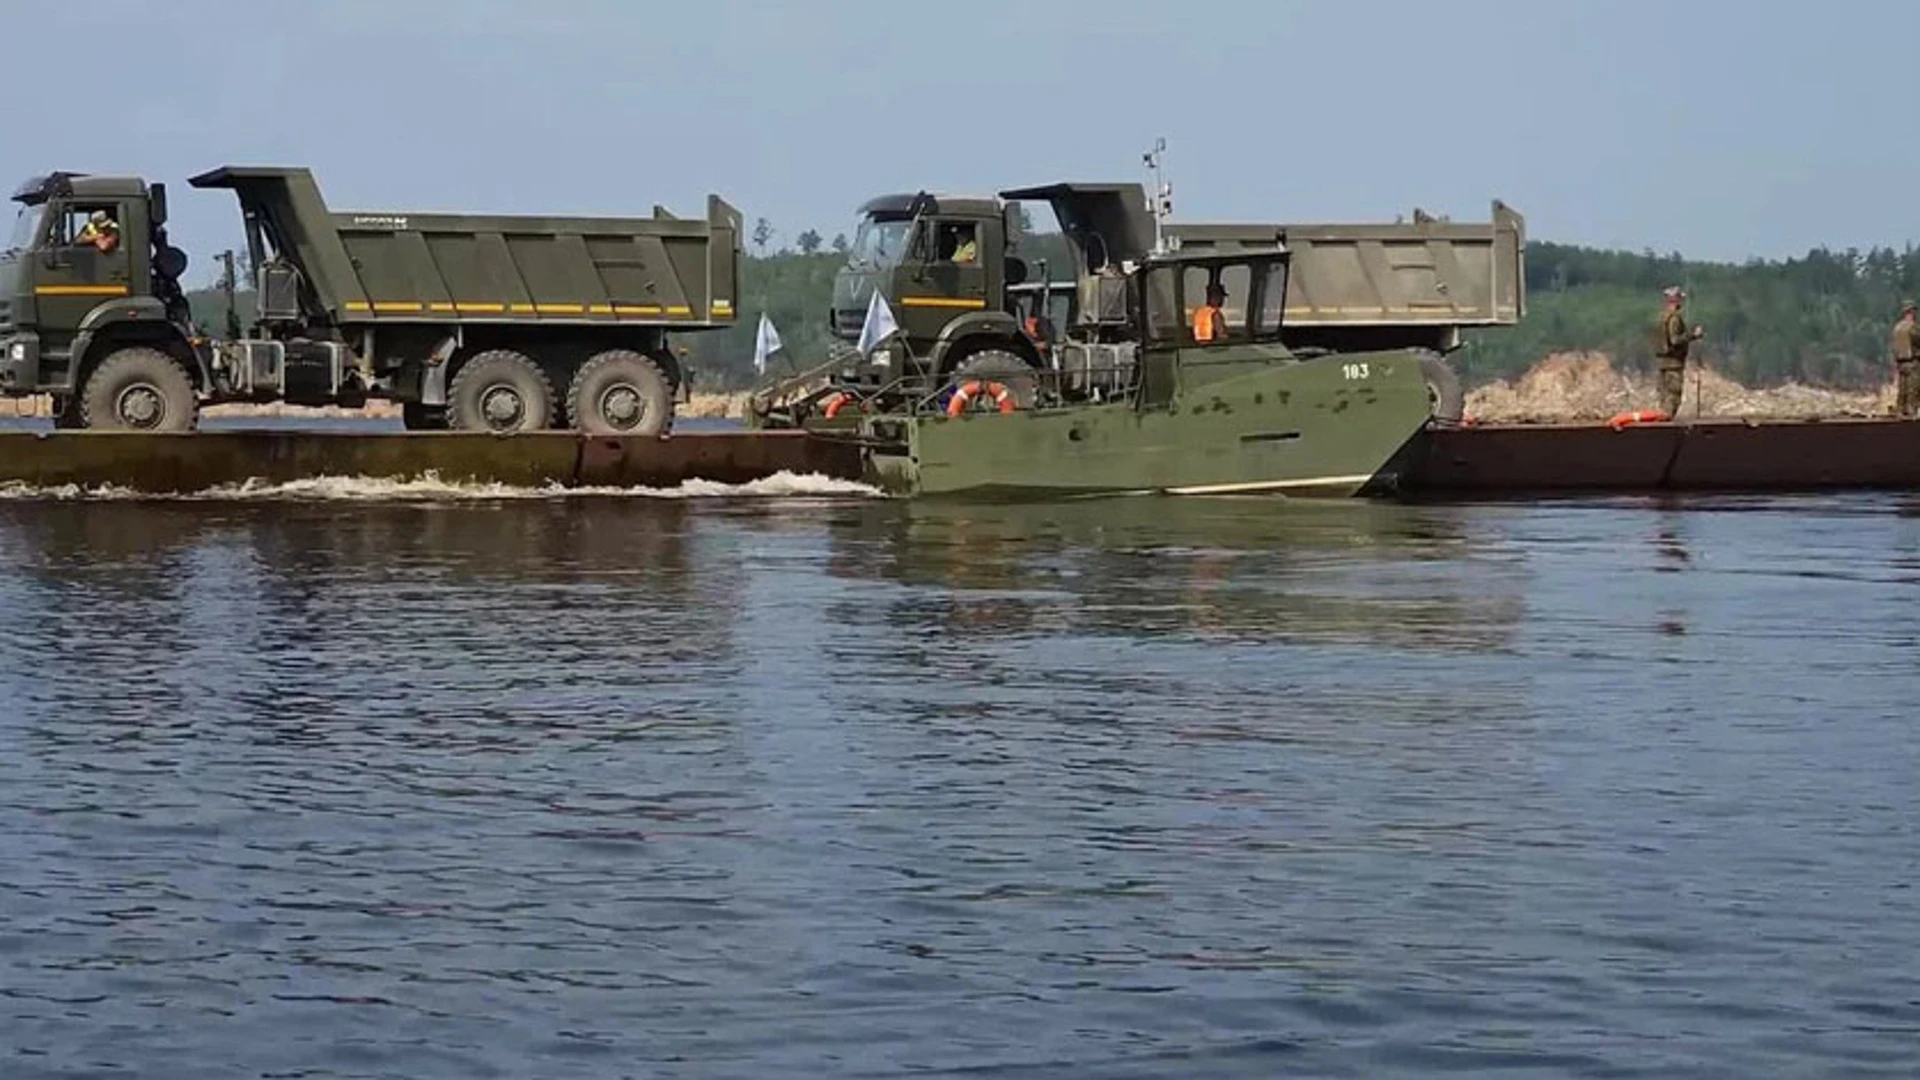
(428,487)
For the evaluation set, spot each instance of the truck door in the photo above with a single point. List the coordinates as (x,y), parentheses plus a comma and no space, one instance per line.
(950,279)
(78,269)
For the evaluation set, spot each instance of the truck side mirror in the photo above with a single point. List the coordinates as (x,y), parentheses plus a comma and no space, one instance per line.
(1010,217)
(157,205)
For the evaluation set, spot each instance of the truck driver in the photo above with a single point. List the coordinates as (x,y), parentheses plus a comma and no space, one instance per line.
(101,231)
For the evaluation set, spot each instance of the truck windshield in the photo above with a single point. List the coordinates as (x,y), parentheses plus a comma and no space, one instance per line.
(25,225)
(879,241)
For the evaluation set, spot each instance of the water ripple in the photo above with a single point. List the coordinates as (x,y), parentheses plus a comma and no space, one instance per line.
(460,784)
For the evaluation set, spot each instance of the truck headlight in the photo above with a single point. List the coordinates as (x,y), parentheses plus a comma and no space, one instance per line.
(18,353)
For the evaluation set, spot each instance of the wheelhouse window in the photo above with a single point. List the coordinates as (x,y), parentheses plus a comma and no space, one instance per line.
(1250,296)
(1273,295)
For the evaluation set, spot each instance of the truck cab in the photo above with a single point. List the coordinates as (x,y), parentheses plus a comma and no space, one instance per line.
(951,271)
(87,269)
(943,263)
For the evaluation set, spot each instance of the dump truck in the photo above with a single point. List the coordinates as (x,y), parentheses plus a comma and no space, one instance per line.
(1352,288)
(470,322)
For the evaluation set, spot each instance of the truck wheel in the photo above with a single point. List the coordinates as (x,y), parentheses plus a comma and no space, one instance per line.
(1007,369)
(500,391)
(1444,396)
(620,392)
(139,389)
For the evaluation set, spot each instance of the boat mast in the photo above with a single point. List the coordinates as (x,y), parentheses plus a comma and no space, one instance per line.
(1159,195)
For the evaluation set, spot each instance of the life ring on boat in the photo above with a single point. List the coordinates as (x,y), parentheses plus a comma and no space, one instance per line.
(1636,416)
(836,401)
(1002,397)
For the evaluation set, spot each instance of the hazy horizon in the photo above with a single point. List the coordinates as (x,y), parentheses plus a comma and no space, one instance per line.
(1709,129)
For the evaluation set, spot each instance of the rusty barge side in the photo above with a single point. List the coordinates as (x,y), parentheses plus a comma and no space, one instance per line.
(200,461)
(1519,461)
(1490,461)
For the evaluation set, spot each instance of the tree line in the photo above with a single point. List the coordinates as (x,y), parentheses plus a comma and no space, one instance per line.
(1820,319)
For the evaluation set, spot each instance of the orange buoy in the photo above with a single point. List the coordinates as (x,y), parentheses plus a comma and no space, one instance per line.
(957,404)
(1636,416)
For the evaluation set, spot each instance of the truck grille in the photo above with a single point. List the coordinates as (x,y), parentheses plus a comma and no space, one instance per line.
(847,324)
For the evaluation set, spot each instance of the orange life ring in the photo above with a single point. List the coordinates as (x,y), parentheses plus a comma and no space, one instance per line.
(1636,416)
(1002,399)
(836,401)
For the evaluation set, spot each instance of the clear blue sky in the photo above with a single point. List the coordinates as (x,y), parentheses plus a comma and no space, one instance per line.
(1718,128)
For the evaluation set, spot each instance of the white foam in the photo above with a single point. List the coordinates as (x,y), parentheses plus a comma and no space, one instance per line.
(429,487)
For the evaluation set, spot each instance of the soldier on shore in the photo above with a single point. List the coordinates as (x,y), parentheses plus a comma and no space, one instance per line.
(1672,340)
(1906,364)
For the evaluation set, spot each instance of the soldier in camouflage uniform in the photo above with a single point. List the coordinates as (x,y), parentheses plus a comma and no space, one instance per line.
(1671,341)
(1906,363)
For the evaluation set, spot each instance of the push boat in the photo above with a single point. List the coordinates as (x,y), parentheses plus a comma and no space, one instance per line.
(1128,403)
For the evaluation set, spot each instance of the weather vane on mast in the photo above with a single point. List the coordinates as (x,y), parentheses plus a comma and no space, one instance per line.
(1160,199)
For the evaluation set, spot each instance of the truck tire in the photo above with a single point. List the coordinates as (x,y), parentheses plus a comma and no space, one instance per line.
(998,365)
(139,389)
(620,392)
(500,391)
(1444,396)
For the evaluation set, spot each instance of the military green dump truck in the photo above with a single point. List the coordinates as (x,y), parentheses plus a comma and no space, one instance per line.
(474,323)
(1352,287)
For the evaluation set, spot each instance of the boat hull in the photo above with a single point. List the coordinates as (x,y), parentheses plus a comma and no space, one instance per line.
(1323,428)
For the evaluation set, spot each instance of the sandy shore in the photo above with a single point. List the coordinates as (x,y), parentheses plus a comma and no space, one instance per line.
(1570,386)
(1586,386)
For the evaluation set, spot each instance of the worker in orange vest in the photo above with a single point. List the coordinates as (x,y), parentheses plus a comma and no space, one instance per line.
(1209,322)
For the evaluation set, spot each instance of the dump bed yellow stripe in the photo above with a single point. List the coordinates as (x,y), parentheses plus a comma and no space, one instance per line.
(941,301)
(79,290)
(482,307)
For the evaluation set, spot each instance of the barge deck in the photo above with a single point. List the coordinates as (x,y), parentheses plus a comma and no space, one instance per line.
(1482,461)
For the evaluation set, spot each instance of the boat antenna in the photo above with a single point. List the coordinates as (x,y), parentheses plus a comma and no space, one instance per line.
(1160,197)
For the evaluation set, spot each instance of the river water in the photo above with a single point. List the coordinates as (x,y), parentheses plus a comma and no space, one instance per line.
(377,781)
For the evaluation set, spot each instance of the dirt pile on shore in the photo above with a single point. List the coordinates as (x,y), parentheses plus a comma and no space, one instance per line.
(1586,386)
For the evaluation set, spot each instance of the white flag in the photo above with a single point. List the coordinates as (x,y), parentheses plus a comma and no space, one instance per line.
(765,344)
(879,325)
